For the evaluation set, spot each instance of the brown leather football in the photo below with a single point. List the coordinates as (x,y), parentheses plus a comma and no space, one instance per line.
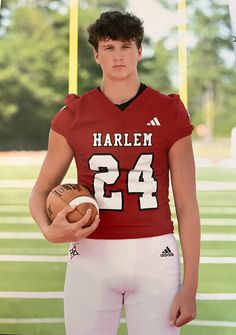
(73,195)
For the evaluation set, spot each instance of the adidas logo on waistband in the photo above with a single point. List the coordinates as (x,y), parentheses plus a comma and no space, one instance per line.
(166,252)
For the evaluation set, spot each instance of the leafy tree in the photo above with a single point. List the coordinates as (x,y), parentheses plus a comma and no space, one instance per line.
(155,70)
(209,69)
(33,76)
(104,4)
(211,73)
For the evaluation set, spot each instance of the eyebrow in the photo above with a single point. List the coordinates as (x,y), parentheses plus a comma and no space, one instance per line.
(111,45)
(107,45)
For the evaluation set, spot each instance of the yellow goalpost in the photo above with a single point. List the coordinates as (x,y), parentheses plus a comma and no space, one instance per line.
(182,52)
(73,46)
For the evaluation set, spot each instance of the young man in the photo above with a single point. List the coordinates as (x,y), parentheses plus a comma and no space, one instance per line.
(125,137)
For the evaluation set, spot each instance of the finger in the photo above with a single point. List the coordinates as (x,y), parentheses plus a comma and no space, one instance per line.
(183,318)
(94,224)
(67,210)
(174,313)
(85,218)
(64,212)
(89,229)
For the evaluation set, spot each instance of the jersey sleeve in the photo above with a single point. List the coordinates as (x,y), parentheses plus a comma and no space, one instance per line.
(63,120)
(61,123)
(182,125)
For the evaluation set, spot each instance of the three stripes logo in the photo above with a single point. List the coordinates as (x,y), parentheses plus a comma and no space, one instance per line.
(166,252)
(154,122)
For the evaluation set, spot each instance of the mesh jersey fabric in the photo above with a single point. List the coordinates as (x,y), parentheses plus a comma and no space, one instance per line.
(122,157)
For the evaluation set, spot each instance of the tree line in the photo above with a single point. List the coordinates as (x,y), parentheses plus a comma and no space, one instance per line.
(34,37)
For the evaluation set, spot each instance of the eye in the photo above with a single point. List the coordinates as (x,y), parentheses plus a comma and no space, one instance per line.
(126,46)
(108,48)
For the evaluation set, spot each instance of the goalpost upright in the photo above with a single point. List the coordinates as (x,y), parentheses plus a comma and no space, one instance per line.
(73,46)
(182,52)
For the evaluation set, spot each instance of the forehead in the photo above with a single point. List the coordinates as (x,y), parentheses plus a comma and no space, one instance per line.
(109,41)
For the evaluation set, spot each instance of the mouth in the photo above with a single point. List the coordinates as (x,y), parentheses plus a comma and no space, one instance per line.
(118,66)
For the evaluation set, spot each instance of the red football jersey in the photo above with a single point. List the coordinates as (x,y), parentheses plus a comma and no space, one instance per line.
(122,157)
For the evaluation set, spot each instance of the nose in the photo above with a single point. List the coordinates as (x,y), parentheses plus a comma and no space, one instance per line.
(118,55)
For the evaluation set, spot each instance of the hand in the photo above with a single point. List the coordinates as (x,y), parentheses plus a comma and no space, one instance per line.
(183,308)
(61,230)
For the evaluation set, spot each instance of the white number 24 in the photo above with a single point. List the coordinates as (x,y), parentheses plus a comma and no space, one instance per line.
(140,180)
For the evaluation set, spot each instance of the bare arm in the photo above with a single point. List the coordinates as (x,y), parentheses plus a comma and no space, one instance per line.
(182,169)
(53,170)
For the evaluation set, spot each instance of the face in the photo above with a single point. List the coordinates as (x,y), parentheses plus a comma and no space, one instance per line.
(118,59)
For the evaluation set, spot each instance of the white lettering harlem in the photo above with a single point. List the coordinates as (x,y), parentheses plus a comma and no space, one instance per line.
(122,140)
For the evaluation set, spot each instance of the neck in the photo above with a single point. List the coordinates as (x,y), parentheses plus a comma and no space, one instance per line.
(120,91)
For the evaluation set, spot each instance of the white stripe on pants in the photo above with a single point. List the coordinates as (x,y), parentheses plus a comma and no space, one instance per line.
(104,274)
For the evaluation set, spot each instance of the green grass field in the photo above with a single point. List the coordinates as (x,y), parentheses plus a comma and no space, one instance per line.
(31,316)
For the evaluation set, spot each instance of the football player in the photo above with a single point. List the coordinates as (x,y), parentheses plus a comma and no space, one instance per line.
(125,138)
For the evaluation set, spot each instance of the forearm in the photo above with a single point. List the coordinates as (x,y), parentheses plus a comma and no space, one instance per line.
(37,205)
(189,232)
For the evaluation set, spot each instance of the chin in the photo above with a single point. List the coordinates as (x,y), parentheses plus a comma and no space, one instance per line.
(120,76)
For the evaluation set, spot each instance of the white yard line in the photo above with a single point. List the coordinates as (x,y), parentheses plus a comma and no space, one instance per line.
(60,295)
(208,162)
(212,323)
(201,185)
(14,208)
(63,259)
(25,183)
(217,210)
(204,222)
(216,296)
(214,209)
(216,186)
(21,236)
(17,183)
(205,323)
(31,295)
(22,158)
(217,260)
(39,236)
(35,158)
(203,210)
(31,320)
(218,222)
(16,220)
(33,258)
(218,237)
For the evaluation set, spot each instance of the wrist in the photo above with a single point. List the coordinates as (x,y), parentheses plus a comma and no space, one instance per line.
(45,230)
(190,288)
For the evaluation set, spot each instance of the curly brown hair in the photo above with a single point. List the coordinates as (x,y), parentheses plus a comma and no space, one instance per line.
(115,25)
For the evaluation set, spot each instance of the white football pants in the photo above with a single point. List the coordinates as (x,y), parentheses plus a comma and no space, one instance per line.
(102,275)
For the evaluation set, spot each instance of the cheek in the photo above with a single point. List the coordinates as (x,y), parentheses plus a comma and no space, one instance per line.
(105,64)
(133,61)
(104,60)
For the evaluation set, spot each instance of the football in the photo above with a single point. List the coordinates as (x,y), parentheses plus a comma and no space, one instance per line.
(73,195)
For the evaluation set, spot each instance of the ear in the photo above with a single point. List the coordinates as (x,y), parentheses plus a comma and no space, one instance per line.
(95,55)
(140,54)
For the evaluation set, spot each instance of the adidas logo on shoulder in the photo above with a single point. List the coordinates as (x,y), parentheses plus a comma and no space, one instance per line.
(154,122)
(166,252)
